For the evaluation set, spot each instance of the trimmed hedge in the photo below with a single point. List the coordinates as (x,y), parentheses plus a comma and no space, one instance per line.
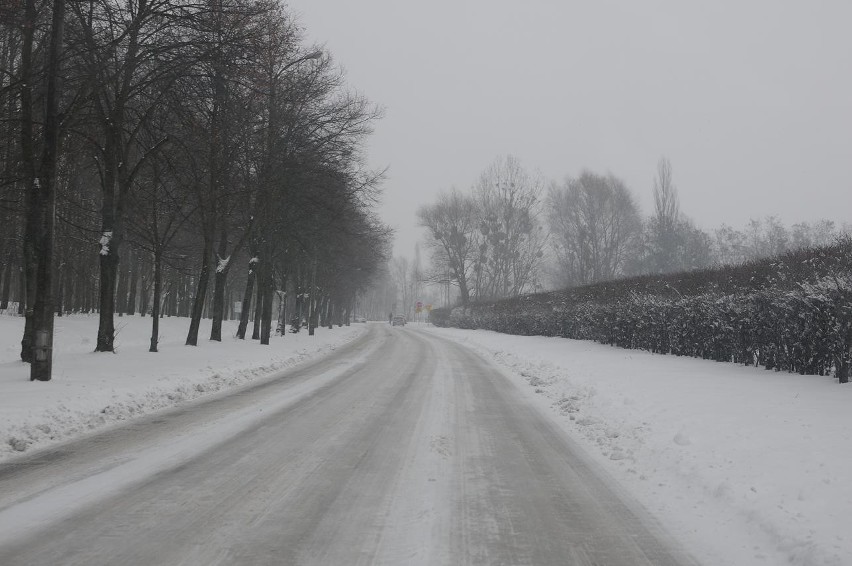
(791,313)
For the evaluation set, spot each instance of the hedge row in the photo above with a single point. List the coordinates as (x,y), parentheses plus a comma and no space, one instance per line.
(792,313)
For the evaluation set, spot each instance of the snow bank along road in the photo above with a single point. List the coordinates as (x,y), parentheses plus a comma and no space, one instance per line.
(399,448)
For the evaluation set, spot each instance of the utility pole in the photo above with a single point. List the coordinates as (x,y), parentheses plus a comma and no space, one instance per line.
(41,367)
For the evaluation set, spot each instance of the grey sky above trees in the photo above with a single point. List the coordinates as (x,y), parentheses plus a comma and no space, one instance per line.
(748,100)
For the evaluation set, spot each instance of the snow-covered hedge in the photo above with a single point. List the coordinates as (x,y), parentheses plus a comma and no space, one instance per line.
(791,313)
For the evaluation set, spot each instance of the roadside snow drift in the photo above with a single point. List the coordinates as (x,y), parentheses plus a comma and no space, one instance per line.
(746,466)
(90,390)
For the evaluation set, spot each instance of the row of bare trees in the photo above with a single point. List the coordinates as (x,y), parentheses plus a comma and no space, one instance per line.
(189,136)
(507,236)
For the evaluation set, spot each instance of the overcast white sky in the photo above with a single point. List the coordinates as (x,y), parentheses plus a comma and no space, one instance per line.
(751,100)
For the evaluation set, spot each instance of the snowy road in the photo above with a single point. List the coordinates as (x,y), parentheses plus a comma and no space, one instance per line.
(400,448)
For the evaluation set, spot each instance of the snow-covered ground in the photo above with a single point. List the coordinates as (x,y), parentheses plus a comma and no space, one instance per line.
(91,390)
(744,465)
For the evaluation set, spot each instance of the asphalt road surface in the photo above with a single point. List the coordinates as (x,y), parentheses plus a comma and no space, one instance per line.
(401,448)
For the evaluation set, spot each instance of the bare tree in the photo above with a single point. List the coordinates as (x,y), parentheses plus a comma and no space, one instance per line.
(807,234)
(402,275)
(452,236)
(509,202)
(44,185)
(664,237)
(594,223)
(131,54)
(160,210)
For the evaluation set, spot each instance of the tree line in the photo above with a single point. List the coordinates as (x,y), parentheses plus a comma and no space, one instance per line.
(179,138)
(513,233)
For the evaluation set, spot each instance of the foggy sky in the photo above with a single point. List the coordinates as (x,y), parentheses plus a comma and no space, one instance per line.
(751,100)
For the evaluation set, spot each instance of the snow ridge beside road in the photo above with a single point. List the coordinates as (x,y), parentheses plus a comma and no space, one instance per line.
(90,391)
(744,466)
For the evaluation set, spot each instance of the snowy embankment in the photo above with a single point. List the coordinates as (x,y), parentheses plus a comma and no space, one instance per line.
(743,465)
(90,390)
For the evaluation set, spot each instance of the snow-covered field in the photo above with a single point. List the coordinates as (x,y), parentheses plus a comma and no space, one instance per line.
(91,390)
(744,465)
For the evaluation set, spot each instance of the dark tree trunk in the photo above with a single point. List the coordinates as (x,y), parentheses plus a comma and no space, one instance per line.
(268,291)
(60,290)
(133,274)
(7,282)
(322,314)
(313,303)
(106,298)
(41,367)
(201,294)
(176,294)
(30,274)
(122,288)
(82,290)
(222,268)
(258,307)
(155,305)
(313,319)
(282,310)
(281,327)
(218,305)
(143,292)
(298,302)
(22,292)
(33,219)
(69,290)
(845,360)
(247,296)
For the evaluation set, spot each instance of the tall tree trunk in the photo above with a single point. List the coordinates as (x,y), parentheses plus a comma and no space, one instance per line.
(122,287)
(7,282)
(115,187)
(60,290)
(282,310)
(222,268)
(155,305)
(258,307)
(267,286)
(31,205)
(133,273)
(218,311)
(313,323)
(201,294)
(143,292)
(169,306)
(69,290)
(83,290)
(22,292)
(312,301)
(41,367)
(246,306)
(106,296)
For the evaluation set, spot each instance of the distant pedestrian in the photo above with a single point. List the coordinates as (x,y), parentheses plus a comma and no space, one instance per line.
(390,318)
